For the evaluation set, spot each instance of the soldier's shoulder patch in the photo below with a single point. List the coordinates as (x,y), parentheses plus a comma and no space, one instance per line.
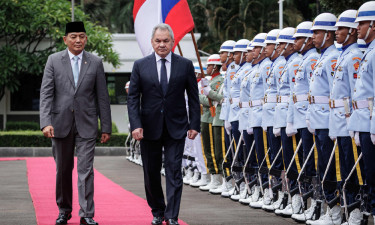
(334,60)
(357,58)
(313,60)
(281,67)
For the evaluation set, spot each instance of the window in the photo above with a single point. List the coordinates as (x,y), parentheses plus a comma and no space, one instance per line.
(116,87)
(26,98)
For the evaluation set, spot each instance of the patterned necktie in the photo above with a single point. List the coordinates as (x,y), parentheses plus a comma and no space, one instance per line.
(75,70)
(163,76)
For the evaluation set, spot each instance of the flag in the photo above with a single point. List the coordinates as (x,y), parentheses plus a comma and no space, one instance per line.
(148,13)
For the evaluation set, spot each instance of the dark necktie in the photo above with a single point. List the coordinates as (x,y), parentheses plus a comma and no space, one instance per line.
(163,76)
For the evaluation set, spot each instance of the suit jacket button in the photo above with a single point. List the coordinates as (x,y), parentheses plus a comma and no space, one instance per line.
(161,111)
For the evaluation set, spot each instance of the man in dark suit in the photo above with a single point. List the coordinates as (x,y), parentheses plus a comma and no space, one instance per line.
(72,96)
(158,117)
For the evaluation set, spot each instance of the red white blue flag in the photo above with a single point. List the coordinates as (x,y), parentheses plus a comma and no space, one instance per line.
(149,13)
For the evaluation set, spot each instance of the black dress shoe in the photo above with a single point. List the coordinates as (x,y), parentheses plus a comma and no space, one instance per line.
(158,220)
(87,221)
(63,218)
(172,222)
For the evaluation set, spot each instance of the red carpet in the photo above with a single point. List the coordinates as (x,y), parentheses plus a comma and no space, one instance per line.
(113,204)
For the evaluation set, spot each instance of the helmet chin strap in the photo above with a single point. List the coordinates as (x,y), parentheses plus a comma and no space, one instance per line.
(368,30)
(273,52)
(260,53)
(304,44)
(282,52)
(213,70)
(227,58)
(348,35)
(324,39)
(241,58)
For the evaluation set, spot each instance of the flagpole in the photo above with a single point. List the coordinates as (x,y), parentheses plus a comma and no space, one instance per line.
(212,107)
(179,49)
(196,51)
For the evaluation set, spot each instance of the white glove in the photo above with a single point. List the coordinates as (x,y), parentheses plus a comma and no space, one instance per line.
(264,129)
(356,139)
(333,138)
(289,130)
(277,132)
(228,127)
(205,82)
(309,127)
(351,134)
(250,130)
(373,139)
(206,90)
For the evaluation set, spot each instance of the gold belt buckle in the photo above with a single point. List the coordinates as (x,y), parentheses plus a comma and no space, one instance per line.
(294,98)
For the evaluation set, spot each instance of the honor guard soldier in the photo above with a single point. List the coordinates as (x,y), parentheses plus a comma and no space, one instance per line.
(285,83)
(300,104)
(257,79)
(344,79)
(361,121)
(228,67)
(213,70)
(200,160)
(239,57)
(270,100)
(320,85)
(248,137)
(214,91)
(244,118)
(231,69)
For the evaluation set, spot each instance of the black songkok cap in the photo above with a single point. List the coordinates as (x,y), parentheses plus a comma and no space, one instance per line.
(74,27)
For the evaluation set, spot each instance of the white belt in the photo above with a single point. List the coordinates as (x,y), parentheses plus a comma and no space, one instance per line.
(270,99)
(360,104)
(234,100)
(300,98)
(255,103)
(283,99)
(244,104)
(337,103)
(318,100)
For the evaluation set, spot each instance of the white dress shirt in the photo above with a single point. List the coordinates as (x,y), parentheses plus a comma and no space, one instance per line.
(71,56)
(167,64)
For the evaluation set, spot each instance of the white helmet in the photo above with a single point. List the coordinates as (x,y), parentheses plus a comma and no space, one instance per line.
(304,30)
(272,36)
(286,35)
(127,85)
(197,68)
(361,45)
(325,21)
(227,46)
(347,19)
(249,47)
(259,39)
(366,12)
(241,45)
(214,59)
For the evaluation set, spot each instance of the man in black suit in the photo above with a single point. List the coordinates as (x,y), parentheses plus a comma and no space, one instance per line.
(158,117)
